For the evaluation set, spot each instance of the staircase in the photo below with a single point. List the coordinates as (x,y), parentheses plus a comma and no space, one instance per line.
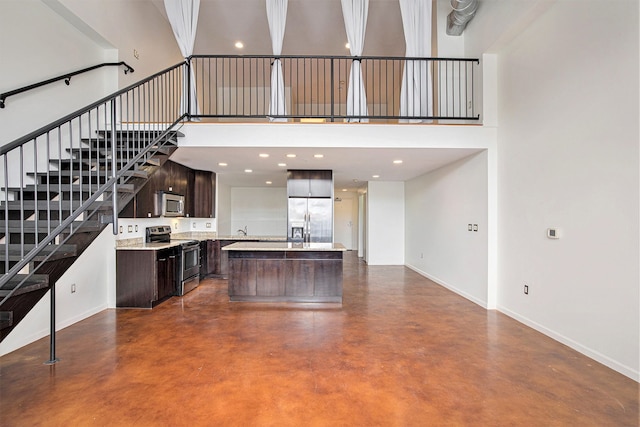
(62,184)
(31,213)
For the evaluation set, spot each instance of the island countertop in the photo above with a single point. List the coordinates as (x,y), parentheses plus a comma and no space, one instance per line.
(285,246)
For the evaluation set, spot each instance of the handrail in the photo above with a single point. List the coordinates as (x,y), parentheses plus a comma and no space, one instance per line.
(66,77)
(18,142)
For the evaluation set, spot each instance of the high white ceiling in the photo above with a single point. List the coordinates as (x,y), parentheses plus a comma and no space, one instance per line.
(314,27)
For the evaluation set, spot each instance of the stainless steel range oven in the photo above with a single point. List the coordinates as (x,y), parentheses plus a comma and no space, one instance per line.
(190,266)
(189,257)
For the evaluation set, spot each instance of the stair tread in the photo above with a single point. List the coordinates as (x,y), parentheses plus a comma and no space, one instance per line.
(32,283)
(61,251)
(76,173)
(102,161)
(65,205)
(56,188)
(138,132)
(29,226)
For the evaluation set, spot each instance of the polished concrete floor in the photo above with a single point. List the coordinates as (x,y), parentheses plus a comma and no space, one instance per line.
(400,351)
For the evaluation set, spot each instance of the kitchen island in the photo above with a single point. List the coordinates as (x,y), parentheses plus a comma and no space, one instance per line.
(285,272)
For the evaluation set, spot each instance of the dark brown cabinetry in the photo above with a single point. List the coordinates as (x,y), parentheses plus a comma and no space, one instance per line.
(198,187)
(222,265)
(145,278)
(203,191)
(309,183)
(285,276)
(209,258)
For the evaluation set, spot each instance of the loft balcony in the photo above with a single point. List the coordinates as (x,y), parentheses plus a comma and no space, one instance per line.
(317,89)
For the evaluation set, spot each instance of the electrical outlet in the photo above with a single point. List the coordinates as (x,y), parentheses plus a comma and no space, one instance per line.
(208,225)
(469,227)
(475,227)
(526,289)
(73,288)
(136,54)
(120,229)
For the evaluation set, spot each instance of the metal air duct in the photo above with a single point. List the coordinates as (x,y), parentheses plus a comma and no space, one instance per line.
(463,11)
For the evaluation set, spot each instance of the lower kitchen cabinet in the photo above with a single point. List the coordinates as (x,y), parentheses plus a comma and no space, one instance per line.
(144,278)
(275,276)
(222,263)
(209,258)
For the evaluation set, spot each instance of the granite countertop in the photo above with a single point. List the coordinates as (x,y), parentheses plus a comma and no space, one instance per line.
(250,237)
(142,246)
(139,244)
(284,246)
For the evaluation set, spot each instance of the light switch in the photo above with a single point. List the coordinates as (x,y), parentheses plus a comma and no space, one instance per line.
(475,227)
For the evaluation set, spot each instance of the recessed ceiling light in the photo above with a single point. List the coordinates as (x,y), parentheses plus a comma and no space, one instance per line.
(397,162)
(263,155)
(355,180)
(347,45)
(239,45)
(282,165)
(291,156)
(248,170)
(376,176)
(222,164)
(318,156)
(344,189)
(268,182)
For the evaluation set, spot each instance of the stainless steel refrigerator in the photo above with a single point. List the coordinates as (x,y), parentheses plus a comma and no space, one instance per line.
(310,220)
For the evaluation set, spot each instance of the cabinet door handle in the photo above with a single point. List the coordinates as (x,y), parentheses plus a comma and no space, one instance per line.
(172,257)
(162,260)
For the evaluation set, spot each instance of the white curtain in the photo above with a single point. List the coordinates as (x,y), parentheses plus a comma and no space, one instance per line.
(355,22)
(183,17)
(416,94)
(277,16)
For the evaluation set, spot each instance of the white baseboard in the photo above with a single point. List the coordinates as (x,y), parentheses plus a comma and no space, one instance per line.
(35,336)
(593,354)
(452,288)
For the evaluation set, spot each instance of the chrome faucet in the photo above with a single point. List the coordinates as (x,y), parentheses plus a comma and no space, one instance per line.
(243,232)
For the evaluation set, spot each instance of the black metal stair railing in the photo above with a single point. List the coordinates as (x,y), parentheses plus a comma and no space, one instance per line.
(76,172)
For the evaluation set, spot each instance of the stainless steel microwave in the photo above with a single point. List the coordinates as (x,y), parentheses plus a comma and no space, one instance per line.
(169,204)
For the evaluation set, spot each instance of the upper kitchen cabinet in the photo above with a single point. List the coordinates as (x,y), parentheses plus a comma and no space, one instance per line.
(309,183)
(196,186)
(204,194)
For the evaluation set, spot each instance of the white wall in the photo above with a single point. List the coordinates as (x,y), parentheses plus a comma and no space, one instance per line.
(568,158)
(94,276)
(385,223)
(345,219)
(129,26)
(37,44)
(439,207)
(262,210)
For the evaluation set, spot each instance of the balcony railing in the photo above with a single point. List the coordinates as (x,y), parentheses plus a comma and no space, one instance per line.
(316,87)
